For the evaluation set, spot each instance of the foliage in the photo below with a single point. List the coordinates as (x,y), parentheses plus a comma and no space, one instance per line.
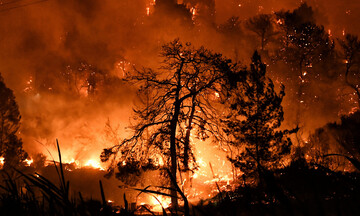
(304,43)
(10,144)
(253,121)
(341,138)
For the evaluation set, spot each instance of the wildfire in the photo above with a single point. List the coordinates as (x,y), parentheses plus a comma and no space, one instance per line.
(76,164)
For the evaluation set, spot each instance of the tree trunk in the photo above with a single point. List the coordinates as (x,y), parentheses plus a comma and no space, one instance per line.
(173,157)
(173,127)
(187,136)
(187,143)
(262,41)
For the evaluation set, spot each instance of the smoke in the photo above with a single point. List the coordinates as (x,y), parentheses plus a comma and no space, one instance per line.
(42,45)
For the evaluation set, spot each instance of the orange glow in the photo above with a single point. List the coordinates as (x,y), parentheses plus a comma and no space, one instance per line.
(94,164)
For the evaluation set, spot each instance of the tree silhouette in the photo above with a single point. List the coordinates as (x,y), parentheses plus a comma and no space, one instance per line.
(174,102)
(304,44)
(263,26)
(10,145)
(351,53)
(336,139)
(253,120)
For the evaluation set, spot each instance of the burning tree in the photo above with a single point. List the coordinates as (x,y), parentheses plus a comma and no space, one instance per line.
(253,120)
(10,145)
(175,102)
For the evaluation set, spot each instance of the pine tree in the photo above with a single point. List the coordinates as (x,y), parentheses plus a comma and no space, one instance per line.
(253,120)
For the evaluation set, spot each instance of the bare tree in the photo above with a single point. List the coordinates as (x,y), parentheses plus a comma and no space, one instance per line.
(176,100)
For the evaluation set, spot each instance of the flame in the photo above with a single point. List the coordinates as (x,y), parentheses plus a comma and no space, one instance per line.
(160,202)
(29,162)
(329,32)
(2,161)
(193,12)
(94,164)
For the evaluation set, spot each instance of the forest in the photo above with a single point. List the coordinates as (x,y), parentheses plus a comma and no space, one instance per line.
(192,107)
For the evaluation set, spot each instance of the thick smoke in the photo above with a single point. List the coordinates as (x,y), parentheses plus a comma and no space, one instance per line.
(42,44)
